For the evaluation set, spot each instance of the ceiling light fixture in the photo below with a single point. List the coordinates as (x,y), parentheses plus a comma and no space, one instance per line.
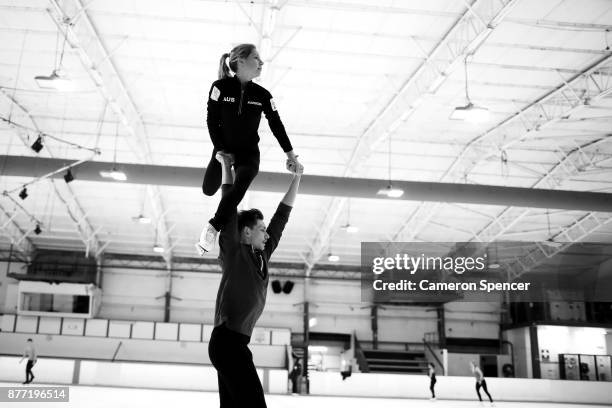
(141,219)
(37,230)
(114,174)
(351,229)
(55,82)
(389,191)
(495,264)
(158,249)
(332,258)
(23,194)
(470,112)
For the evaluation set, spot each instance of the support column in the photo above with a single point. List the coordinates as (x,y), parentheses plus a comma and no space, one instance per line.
(441,327)
(374,324)
(306,381)
(535,351)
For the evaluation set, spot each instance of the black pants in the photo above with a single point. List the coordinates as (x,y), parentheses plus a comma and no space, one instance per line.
(432,384)
(246,168)
(29,374)
(482,384)
(239,385)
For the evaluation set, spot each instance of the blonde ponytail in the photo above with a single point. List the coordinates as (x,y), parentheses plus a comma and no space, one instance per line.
(224,70)
(229,61)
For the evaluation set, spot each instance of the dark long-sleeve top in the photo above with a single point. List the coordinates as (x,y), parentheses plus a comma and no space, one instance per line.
(234,112)
(242,292)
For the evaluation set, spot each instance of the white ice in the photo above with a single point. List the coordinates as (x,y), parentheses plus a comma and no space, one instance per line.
(106,397)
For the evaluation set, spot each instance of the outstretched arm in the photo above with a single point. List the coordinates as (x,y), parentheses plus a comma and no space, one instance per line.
(289,198)
(281,216)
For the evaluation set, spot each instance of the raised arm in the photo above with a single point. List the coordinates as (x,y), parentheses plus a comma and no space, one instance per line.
(289,198)
(281,216)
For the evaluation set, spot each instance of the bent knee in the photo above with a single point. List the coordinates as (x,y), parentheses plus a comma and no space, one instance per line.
(210,189)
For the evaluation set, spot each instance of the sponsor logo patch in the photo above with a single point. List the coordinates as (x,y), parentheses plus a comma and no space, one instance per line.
(214,95)
(254,103)
(272,104)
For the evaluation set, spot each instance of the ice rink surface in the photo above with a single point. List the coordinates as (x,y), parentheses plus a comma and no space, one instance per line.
(106,397)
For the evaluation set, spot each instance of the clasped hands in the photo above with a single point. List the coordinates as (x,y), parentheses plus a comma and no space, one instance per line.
(292,164)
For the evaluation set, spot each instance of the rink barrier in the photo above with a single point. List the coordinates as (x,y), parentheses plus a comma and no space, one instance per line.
(460,388)
(132,350)
(192,377)
(195,377)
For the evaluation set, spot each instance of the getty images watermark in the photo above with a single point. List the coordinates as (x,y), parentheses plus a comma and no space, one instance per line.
(463,271)
(459,265)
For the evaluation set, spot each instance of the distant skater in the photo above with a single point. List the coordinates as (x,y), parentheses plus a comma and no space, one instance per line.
(480,381)
(432,382)
(30,353)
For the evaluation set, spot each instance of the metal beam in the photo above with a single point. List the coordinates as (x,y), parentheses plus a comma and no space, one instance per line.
(592,84)
(569,235)
(464,37)
(571,164)
(584,89)
(102,71)
(18,237)
(22,166)
(76,212)
(156,264)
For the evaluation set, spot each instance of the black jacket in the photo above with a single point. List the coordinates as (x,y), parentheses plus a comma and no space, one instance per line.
(244,282)
(234,112)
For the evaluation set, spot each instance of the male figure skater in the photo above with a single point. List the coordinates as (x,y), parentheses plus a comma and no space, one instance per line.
(480,382)
(245,247)
(30,353)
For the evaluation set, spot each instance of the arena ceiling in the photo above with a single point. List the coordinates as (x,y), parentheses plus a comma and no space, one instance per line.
(366,89)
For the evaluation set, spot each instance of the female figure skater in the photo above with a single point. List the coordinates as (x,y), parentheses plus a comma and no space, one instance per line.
(235,105)
(480,382)
(432,383)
